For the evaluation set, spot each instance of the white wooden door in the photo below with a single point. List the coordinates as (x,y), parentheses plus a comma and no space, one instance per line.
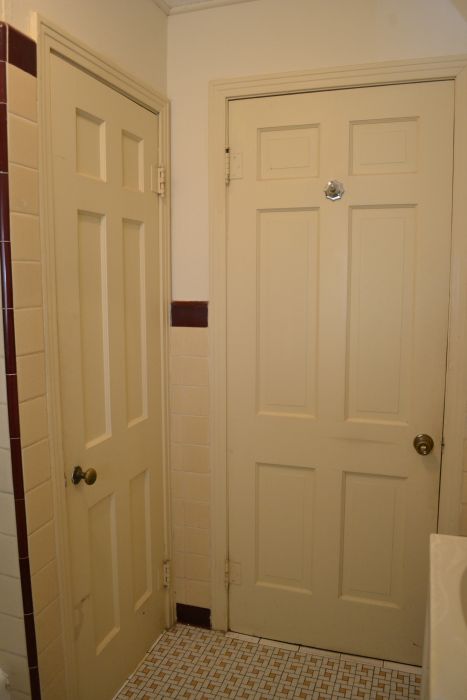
(337,327)
(109,325)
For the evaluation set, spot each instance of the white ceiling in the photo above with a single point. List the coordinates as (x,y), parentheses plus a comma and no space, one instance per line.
(173,7)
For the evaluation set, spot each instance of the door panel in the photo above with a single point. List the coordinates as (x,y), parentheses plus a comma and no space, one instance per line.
(337,327)
(108,301)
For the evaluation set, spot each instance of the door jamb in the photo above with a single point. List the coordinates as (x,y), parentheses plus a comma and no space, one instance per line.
(53,40)
(388,73)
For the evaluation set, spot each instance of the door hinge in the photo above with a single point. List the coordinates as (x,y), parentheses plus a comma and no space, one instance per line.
(227,165)
(166,573)
(158,180)
(226,573)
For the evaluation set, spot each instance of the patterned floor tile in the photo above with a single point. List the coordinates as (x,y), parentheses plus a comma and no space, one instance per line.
(193,664)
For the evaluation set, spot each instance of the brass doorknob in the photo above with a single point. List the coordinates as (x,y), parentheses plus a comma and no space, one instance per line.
(334,190)
(89,476)
(423,444)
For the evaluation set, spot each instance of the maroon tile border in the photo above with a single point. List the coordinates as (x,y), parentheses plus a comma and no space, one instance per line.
(21,51)
(193,615)
(191,314)
(18,49)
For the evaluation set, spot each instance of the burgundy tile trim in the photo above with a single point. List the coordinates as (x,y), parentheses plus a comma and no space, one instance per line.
(191,314)
(4,202)
(34,682)
(9,340)
(193,615)
(25,573)
(21,51)
(6,272)
(13,405)
(3,39)
(21,529)
(31,645)
(17,467)
(2,81)
(3,141)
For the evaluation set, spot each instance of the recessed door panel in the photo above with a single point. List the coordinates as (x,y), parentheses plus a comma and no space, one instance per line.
(288,275)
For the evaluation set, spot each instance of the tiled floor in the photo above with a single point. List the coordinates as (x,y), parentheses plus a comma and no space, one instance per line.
(194,664)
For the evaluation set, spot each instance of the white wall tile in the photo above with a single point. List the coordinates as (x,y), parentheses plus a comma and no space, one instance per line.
(190,458)
(42,546)
(12,635)
(6,482)
(22,93)
(48,625)
(45,586)
(27,284)
(24,189)
(189,371)
(33,420)
(25,237)
(23,141)
(7,514)
(192,430)
(16,668)
(9,564)
(36,464)
(39,506)
(31,376)
(29,331)
(11,601)
(189,341)
(51,662)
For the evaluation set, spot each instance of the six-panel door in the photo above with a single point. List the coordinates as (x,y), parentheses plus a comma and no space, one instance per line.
(337,327)
(109,326)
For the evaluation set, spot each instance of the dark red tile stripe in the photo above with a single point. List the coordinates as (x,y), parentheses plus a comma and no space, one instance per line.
(191,314)
(21,51)
(18,49)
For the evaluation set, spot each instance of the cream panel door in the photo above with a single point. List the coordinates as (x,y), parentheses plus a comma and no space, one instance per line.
(337,327)
(108,299)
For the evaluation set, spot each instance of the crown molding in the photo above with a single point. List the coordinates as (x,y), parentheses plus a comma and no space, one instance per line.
(195,6)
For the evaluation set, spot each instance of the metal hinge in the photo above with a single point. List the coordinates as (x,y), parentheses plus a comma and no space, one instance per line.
(227,165)
(166,573)
(158,181)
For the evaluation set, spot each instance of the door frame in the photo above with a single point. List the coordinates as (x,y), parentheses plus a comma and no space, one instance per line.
(388,73)
(52,40)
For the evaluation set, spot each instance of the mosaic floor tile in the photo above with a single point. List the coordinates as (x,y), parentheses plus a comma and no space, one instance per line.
(188,663)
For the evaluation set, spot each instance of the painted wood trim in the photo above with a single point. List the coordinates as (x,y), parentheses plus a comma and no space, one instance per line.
(52,40)
(190,314)
(20,51)
(394,72)
(195,6)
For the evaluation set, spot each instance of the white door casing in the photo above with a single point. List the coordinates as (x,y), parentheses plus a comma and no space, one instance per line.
(337,326)
(108,277)
(222,92)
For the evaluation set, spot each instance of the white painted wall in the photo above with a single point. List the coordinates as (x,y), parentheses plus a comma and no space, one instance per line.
(268,36)
(133,33)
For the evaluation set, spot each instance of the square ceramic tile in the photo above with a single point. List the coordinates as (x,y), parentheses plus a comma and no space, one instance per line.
(29,331)
(33,420)
(192,430)
(42,546)
(27,284)
(39,506)
(23,141)
(189,458)
(51,661)
(189,341)
(12,636)
(22,93)
(16,668)
(31,376)
(36,464)
(11,602)
(189,371)
(45,586)
(189,400)
(9,564)
(7,514)
(25,237)
(24,189)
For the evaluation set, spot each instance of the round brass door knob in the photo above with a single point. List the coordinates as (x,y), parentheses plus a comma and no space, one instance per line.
(89,476)
(423,444)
